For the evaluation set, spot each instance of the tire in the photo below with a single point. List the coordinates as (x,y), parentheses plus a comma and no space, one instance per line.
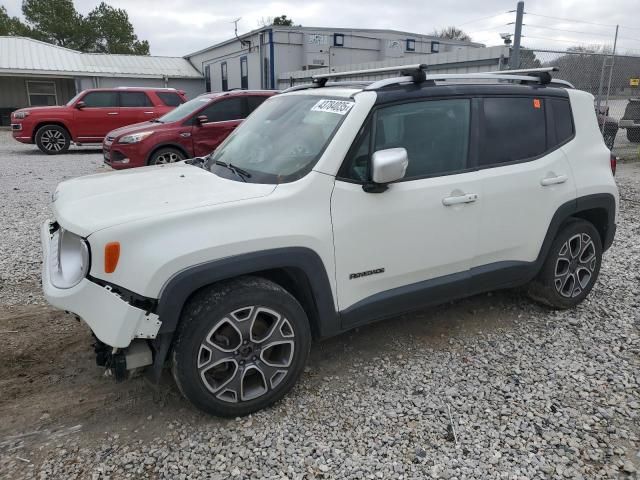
(633,135)
(53,139)
(566,277)
(240,347)
(166,155)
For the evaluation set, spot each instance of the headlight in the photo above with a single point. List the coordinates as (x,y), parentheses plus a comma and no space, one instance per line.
(69,259)
(20,115)
(134,137)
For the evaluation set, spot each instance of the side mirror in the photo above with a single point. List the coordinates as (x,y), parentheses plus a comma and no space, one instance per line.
(80,105)
(202,119)
(386,166)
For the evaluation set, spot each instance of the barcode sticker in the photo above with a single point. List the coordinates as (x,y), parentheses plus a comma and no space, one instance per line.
(341,107)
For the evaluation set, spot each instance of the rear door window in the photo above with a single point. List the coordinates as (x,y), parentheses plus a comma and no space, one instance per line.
(101,99)
(513,129)
(134,99)
(170,99)
(225,110)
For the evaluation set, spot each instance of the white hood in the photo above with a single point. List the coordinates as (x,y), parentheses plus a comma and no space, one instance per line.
(85,205)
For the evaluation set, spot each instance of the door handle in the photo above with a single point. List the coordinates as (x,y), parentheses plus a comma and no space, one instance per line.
(149,113)
(467,198)
(545,182)
(112,113)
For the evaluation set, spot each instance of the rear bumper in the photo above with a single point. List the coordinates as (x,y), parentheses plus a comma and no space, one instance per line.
(114,321)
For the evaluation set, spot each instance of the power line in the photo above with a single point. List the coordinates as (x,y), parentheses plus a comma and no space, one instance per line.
(569,31)
(570,20)
(573,42)
(573,20)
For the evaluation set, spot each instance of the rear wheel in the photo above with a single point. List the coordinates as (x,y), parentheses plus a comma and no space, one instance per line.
(571,268)
(53,139)
(633,135)
(241,346)
(166,155)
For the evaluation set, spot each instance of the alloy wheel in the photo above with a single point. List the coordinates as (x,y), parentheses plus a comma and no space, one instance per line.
(53,140)
(246,354)
(167,157)
(575,265)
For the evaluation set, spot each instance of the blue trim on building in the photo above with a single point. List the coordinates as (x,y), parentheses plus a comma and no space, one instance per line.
(272,69)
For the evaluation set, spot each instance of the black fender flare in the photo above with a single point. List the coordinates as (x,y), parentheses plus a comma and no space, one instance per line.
(181,286)
(574,208)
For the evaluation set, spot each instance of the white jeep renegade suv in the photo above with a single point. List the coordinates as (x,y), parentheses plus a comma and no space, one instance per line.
(332,206)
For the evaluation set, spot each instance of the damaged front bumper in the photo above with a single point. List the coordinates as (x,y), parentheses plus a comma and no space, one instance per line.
(114,322)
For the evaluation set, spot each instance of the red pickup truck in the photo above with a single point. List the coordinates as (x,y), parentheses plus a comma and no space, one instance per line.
(90,115)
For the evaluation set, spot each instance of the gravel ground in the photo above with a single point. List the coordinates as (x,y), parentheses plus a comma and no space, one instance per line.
(489,387)
(27,180)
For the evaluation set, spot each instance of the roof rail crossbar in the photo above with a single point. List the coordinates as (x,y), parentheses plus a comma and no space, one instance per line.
(534,75)
(417,72)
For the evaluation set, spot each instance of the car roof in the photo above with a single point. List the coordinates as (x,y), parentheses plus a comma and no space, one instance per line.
(125,89)
(408,91)
(237,92)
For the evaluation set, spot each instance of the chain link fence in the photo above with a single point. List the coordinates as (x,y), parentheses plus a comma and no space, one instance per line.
(612,79)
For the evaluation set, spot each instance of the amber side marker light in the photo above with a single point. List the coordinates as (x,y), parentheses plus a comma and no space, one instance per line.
(111,256)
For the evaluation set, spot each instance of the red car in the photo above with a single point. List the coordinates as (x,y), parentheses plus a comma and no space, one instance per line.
(88,116)
(193,129)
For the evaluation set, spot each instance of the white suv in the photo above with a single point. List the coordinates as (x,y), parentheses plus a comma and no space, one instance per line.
(333,206)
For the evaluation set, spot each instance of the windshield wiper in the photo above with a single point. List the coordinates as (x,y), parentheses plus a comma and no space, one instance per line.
(239,172)
(156,120)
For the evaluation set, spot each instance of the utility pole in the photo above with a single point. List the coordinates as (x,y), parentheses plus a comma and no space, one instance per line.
(613,61)
(514,63)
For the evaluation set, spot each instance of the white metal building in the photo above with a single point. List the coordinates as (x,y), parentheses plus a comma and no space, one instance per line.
(259,59)
(36,73)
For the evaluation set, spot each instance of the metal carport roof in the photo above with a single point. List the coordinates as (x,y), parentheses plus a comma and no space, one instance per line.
(25,56)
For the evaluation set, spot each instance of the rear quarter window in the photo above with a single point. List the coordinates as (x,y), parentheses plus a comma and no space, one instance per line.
(562,119)
(170,99)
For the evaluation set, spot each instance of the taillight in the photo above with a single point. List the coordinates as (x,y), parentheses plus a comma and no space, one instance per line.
(614,164)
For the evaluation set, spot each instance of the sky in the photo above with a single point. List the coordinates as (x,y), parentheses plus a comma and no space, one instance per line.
(179,27)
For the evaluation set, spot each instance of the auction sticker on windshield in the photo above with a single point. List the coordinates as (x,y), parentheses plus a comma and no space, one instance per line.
(341,107)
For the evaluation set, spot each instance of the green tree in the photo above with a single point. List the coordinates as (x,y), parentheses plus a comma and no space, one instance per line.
(104,30)
(282,21)
(452,33)
(12,25)
(55,21)
(113,32)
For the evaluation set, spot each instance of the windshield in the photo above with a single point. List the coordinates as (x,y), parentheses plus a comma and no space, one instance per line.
(73,100)
(184,110)
(283,139)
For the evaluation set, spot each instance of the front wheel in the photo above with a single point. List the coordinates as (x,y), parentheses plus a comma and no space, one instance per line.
(571,267)
(166,155)
(240,347)
(53,139)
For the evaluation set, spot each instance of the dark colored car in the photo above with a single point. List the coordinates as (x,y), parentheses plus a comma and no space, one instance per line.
(631,120)
(88,116)
(193,129)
